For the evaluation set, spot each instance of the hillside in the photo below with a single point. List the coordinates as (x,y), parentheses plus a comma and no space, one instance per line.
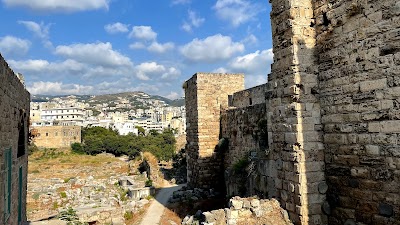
(137,99)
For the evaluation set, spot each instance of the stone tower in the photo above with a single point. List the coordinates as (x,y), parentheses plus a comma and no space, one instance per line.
(206,94)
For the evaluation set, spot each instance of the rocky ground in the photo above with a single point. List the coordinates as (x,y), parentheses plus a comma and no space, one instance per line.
(89,184)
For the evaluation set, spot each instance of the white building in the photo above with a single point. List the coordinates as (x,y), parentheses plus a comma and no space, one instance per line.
(126,128)
(72,116)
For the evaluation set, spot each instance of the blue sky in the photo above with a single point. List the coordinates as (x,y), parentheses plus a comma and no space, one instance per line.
(111,46)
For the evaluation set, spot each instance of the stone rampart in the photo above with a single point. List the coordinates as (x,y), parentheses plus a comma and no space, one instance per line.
(358,44)
(248,97)
(14,120)
(332,115)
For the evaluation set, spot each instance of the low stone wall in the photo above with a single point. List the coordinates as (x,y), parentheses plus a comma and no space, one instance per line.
(243,211)
(139,193)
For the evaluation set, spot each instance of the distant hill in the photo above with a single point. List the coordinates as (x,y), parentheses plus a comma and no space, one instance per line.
(135,98)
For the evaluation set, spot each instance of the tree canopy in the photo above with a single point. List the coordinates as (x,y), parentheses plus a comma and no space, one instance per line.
(96,140)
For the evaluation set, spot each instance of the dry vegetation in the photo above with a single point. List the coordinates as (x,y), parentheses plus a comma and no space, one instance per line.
(64,164)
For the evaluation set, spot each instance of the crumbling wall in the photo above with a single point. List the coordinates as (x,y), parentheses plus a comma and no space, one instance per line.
(359,88)
(206,94)
(244,131)
(14,117)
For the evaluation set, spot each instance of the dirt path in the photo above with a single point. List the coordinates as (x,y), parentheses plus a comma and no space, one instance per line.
(157,207)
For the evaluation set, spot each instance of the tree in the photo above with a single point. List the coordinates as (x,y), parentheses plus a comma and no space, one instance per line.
(141,130)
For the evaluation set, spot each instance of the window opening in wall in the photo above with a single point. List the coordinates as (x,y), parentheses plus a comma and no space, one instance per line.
(47,134)
(22,136)
(250,101)
(7,183)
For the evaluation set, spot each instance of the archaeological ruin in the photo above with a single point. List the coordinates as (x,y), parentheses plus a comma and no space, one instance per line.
(322,135)
(14,121)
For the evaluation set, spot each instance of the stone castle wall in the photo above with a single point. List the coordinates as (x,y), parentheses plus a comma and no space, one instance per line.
(56,136)
(358,45)
(331,115)
(14,117)
(206,95)
(244,130)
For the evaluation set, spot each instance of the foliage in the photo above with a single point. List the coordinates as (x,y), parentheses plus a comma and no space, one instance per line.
(128,215)
(141,130)
(32,148)
(240,166)
(36,196)
(148,183)
(63,194)
(77,148)
(97,140)
(70,216)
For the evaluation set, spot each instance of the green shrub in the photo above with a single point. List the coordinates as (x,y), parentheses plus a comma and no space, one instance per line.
(36,196)
(148,183)
(63,194)
(128,215)
(66,180)
(32,148)
(240,166)
(77,148)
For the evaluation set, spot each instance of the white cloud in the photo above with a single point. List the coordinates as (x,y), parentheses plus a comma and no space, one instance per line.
(220,70)
(237,12)
(211,49)
(52,88)
(171,74)
(37,67)
(148,70)
(40,30)
(257,62)
(116,28)
(143,33)
(12,46)
(95,53)
(58,6)
(250,39)
(255,66)
(186,27)
(137,45)
(181,2)
(173,95)
(194,21)
(66,69)
(160,48)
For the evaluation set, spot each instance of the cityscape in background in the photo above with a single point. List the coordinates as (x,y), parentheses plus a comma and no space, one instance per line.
(57,118)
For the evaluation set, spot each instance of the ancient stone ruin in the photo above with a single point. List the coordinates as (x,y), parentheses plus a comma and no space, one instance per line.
(322,136)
